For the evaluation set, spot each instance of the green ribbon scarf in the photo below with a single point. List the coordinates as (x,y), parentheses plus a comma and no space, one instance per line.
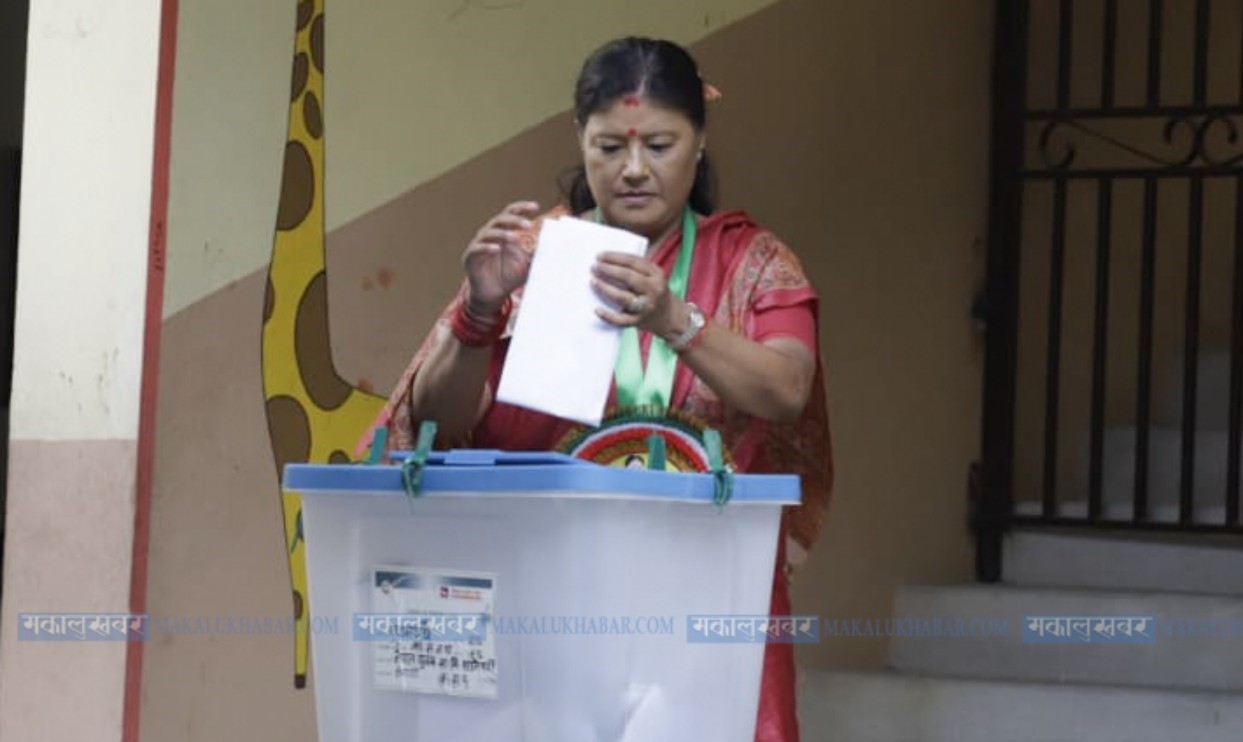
(654,386)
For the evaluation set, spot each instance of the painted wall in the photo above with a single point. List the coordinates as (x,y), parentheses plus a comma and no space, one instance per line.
(816,136)
(416,89)
(84,216)
(86,195)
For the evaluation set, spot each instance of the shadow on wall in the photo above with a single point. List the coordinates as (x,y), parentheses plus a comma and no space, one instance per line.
(13,22)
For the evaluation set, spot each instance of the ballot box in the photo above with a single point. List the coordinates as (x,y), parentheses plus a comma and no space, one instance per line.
(537,598)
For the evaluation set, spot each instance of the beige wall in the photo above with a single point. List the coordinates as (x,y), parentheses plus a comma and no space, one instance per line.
(857,131)
(82,275)
(415,89)
(86,198)
(69,537)
(863,142)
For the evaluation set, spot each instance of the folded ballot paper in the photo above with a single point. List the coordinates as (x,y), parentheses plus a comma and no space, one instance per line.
(562,355)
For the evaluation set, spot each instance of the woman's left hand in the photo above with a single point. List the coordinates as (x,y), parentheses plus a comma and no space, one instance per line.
(771,379)
(638,290)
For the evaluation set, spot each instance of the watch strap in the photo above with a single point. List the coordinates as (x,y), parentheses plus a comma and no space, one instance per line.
(695,325)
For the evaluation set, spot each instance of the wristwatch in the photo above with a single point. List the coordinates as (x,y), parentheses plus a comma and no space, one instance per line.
(693,328)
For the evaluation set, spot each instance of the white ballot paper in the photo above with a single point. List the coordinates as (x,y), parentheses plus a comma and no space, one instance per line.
(562,355)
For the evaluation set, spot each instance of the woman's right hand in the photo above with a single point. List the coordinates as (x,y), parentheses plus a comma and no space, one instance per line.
(495,262)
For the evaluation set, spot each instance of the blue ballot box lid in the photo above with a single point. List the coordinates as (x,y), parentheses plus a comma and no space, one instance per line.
(535,472)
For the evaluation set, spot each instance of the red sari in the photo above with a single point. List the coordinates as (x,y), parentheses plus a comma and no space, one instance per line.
(748,281)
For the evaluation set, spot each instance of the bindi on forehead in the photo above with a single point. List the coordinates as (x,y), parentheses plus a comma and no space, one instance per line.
(631,101)
(632,132)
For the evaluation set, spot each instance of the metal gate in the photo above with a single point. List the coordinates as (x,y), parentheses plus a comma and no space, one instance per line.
(1113,393)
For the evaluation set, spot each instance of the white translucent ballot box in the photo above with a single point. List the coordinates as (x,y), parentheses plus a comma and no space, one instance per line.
(536,598)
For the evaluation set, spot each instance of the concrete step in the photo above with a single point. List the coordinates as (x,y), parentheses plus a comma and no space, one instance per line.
(1165,465)
(893,707)
(1044,559)
(1198,639)
(1124,512)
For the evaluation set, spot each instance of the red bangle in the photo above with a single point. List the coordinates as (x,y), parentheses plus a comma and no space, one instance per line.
(476,332)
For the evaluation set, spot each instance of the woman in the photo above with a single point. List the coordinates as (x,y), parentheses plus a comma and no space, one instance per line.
(740,319)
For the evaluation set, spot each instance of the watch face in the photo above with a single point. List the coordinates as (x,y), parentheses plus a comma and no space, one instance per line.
(696,323)
(697,317)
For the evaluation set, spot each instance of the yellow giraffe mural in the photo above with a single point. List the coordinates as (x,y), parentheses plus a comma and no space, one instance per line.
(313,414)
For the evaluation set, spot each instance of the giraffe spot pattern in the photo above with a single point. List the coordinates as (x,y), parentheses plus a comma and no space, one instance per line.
(338,457)
(297,187)
(314,351)
(301,73)
(312,116)
(269,301)
(290,431)
(384,277)
(299,678)
(317,43)
(306,9)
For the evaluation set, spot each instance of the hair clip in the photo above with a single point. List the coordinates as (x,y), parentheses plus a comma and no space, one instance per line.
(712,94)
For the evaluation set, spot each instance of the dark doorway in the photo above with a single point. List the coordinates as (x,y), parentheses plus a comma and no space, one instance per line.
(13,22)
(1114,378)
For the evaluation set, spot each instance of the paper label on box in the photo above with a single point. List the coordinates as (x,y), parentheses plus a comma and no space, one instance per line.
(434,631)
